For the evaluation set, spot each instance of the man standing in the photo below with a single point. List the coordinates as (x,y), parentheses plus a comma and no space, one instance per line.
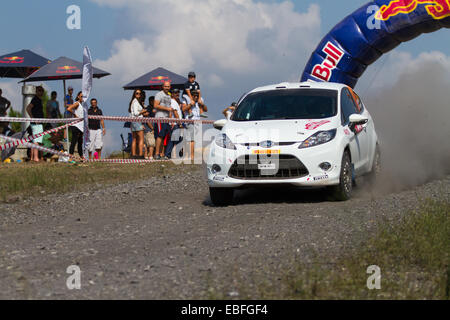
(190,86)
(163,106)
(193,111)
(4,106)
(96,130)
(176,136)
(68,101)
(53,111)
(36,110)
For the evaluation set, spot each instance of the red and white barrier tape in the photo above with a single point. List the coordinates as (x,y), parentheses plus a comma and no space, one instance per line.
(37,120)
(41,148)
(64,154)
(126,161)
(19,142)
(121,119)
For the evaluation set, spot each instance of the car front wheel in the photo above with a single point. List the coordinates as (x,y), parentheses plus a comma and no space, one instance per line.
(221,196)
(343,190)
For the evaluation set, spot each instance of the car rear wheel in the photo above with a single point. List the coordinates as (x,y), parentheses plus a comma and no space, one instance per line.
(221,196)
(343,190)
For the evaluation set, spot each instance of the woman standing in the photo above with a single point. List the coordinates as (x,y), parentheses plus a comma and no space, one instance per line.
(136,110)
(77,129)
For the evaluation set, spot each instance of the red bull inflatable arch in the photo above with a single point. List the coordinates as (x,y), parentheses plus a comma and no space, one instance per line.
(365,35)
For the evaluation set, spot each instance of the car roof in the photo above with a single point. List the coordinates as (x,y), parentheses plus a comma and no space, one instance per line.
(301,85)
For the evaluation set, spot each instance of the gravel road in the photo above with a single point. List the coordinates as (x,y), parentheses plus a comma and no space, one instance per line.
(162,238)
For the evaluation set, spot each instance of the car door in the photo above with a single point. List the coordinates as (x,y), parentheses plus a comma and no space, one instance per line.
(364,133)
(358,137)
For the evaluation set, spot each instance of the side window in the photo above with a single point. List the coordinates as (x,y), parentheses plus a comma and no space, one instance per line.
(347,106)
(359,104)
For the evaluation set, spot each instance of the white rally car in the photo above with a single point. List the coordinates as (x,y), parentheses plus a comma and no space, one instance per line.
(303,134)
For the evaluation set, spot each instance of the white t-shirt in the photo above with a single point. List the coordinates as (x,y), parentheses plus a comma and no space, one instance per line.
(136,108)
(195,110)
(164,100)
(176,106)
(79,113)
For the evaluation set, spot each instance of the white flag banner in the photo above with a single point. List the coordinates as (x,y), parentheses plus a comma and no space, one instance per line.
(86,88)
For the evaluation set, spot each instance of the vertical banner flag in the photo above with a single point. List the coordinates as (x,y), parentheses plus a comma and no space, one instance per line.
(86,87)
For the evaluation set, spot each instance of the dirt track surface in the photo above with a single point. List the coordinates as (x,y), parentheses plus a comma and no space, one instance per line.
(162,238)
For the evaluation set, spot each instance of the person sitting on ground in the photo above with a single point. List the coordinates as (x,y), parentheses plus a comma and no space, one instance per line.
(193,111)
(52,141)
(96,130)
(36,110)
(53,111)
(228,111)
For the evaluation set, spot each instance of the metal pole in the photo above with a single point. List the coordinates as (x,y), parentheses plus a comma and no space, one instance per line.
(66,131)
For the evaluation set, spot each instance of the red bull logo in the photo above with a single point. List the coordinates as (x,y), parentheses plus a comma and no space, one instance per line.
(67,69)
(324,71)
(159,79)
(438,9)
(11,60)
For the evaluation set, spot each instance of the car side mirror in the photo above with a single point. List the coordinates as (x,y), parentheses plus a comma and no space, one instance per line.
(219,124)
(356,119)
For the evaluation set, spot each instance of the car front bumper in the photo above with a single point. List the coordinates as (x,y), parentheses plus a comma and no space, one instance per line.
(311,158)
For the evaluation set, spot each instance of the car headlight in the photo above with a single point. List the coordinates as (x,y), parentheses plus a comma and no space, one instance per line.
(318,138)
(223,141)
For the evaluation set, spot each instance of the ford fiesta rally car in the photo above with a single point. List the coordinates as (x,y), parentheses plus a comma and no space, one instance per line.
(303,134)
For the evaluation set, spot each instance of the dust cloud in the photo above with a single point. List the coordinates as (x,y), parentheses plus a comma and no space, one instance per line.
(412,119)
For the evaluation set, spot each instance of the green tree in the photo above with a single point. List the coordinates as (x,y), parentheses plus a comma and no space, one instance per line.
(15,125)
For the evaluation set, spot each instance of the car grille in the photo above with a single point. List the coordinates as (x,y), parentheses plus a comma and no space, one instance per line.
(289,168)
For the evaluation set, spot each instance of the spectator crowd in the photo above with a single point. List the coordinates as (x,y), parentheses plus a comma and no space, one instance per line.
(149,140)
(156,140)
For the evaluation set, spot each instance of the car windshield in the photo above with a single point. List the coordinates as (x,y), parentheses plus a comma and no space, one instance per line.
(287,104)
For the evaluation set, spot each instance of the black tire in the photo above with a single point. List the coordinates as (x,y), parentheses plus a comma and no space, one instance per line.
(221,197)
(343,191)
(376,167)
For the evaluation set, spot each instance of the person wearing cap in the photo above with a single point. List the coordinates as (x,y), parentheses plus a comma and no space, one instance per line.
(228,111)
(190,86)
(193,111)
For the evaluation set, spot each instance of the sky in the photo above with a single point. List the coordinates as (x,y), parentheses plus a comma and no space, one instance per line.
(233,45)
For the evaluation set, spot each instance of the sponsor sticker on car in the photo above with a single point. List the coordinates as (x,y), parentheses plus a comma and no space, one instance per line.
(267,166)
(266,151)
(324,177)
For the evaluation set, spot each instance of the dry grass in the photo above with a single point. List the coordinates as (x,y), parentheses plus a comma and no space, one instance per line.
(21,180)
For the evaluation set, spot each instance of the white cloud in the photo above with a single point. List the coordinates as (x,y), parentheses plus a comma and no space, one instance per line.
(216,38)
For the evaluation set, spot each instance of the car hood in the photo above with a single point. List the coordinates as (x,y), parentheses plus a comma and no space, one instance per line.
(276,130)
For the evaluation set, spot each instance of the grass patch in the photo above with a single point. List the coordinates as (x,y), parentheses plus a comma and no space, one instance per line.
(21,180)
(413,255)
